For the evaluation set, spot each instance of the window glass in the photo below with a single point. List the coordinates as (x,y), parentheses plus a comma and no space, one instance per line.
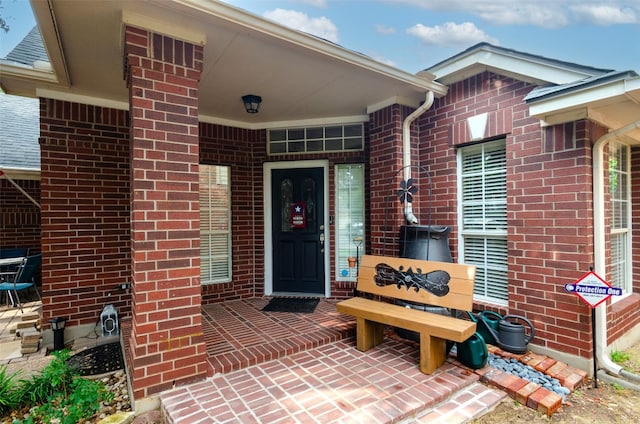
(349,218)
(483,217)
(334,138)
(215,224)
(620,269)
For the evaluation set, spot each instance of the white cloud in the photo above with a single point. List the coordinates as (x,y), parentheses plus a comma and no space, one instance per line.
(385,30)
(606,15)
(541,13)
(321,27)
(450,34)
(317,3)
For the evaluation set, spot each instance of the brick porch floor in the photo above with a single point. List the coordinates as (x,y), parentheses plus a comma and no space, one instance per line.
(304,368)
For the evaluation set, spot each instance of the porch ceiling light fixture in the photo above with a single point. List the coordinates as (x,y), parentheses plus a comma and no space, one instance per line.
(251,103)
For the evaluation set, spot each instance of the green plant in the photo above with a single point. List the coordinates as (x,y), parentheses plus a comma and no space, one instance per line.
(9,393)
(82,402)
(617,387)
(619,357)
(59,394)
(53,379)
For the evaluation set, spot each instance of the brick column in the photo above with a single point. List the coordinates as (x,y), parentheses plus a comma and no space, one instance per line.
(167,344)
(385,153)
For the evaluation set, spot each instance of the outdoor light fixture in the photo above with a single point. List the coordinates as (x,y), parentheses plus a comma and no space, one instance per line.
(251,103)
(109,320)
(57,325)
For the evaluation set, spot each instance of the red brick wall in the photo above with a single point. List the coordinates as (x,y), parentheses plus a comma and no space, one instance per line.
(384,177)
(549,186)
(244,151)
(167,343)
(85,210)
(19,217)
(553,235)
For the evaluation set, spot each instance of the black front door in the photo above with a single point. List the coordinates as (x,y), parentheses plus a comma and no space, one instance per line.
(298,230)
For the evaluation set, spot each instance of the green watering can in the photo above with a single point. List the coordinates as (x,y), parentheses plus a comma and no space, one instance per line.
(473,352)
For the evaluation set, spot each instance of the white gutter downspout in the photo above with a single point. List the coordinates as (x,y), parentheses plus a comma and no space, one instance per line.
(406,150)
(599,244)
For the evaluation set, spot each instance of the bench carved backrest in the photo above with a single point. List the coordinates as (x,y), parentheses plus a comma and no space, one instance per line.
(443,284)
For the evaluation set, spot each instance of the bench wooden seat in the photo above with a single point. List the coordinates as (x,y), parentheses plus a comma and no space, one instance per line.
(434,283)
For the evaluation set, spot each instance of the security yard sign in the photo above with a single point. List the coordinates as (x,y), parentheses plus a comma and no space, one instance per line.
(592,289)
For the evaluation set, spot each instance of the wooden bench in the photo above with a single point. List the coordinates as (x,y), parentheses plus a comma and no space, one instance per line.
(434,283)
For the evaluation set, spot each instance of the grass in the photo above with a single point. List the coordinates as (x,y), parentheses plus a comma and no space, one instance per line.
(620,357)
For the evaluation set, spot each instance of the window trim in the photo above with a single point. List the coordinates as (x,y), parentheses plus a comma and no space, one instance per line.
(628,231)
(229,232)
(485,234)
(337,263)
(290,138)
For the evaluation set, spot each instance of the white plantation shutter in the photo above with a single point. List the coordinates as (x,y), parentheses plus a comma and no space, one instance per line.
(215,224)
(349,217)
(483,217)
(620,270)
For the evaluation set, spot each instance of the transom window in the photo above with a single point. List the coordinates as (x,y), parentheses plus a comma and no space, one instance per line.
(333,138)
(482,176)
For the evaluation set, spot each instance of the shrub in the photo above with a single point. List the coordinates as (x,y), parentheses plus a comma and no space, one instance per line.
(55,394)
(9,391)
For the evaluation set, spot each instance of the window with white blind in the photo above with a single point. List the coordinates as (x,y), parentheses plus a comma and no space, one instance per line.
(620,209)
(482,217)
(215,224)
(349,218)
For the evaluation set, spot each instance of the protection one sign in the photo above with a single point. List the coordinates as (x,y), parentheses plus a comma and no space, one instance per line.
(592,289)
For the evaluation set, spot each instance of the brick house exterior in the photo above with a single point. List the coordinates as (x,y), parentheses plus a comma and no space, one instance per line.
(119,194)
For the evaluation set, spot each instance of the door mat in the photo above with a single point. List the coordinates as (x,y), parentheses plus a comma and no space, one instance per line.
(291,304)
(97,360)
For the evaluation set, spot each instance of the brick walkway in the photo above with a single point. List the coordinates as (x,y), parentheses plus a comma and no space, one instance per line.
(334,383)
(304,368)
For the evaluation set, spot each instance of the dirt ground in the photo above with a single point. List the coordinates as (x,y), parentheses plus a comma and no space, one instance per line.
(606,404)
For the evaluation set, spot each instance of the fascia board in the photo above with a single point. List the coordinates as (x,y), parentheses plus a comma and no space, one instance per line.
(502,63)
(575,99)
(21,173)
(24,72)
(284,124)
(43,13)
(69,96)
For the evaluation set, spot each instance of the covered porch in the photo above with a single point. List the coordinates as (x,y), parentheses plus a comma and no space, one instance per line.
(303,367)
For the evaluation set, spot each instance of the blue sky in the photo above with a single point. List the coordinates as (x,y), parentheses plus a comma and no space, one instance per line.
(415,34)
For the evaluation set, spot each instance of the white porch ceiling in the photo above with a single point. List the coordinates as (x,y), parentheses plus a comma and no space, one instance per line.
(300,77)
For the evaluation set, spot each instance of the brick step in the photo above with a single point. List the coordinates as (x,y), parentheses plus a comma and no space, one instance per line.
(30,316)
(30,336)
(464,405)
(20,325)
